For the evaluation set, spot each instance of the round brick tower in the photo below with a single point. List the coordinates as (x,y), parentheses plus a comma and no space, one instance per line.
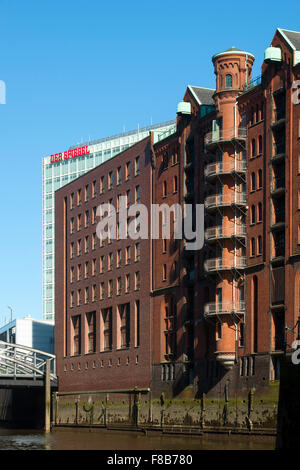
(227,173)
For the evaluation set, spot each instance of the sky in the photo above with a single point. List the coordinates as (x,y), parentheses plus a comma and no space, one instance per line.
(85,69)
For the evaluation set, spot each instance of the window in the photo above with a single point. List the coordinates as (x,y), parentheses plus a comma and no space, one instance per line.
(86,244)
(86,193)
(72,228)
(137,281)
(102,183)
(110,288)
(110,261)
(94,213)
(259,215)
(252,214)
(260,145)
(110,180)
(72,250)
(218,330)
(94,188)
(252,247)
(128,198)
(137,194)
(72,274)
(241,335)
(137,324)
(79,222)
(137,253)
(94,241)
(86,295)
(107,328)
(259,245)
(79,247)
(72,299)
(72,201)
(127,171)
(79,297)
(164,274)
(164,242)
(78,197)
(76,324)
(94,267)
(164,191)
(253,151)
(127,283)
(175,184)
(128,255)
(124,315)
(228,81)
(102,288)
(137,166)
(119,175)
(119,258)
(259,178)
(253,181)
(86,269)
(119,286)
(101,267)
(91,332)
(86,218)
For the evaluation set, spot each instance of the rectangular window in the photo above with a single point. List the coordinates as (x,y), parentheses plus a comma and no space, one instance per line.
(119,175)
(119,286)
(164,275)
(76,327)
(127,283)
(86,269)
(101,267)
(110,180)
(102,291)
(110,261)
(107,329)
(137,281)
(94,267)
(94,189)
(119,258)
(86,218)
(72,201)
(137,194)
(137,323)
(128,168)
(102,184)
(128,255)
(91,332)
(86,295)
(78,272)
(86,244)
(137,253)
(124,313)
(79,247)
(110,288)
(86,193)
(79,222)
(78,197)
(137,166)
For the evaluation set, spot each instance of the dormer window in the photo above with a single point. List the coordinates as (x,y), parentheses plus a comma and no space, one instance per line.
(228,81)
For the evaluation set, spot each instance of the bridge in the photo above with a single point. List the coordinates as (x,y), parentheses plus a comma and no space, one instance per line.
(24,365)
(27,376)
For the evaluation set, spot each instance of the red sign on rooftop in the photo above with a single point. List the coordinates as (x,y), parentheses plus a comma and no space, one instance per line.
(57,157)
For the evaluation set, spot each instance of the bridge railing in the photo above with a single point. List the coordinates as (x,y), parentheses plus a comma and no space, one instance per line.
(18,361)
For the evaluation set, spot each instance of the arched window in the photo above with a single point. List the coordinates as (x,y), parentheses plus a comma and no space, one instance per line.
(252,214)
(260,145)
(253,181)
(228,81)
(253,152)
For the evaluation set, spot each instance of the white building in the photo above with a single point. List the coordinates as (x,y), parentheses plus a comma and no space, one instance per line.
(36,334)
(58,173)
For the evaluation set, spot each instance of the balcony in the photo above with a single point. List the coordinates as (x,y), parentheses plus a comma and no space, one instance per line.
(225,135)
(220,264)
(278,151)
(233,198)
(223,308)
(230,231)
(279,118)
(224,168)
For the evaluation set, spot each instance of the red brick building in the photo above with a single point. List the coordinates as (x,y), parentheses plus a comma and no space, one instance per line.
(220,316)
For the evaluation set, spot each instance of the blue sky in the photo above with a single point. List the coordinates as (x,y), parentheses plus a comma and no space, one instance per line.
(79,69)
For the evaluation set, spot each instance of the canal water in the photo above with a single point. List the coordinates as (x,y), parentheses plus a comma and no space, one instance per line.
(78,439)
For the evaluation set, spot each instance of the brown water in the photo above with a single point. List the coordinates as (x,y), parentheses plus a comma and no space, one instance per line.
(71,439)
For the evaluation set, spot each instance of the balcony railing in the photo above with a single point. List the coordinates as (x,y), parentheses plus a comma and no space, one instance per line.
(220,264)
(225,135)
(213,233)
(252,84)
(223,308)
(219,200)
(222,168)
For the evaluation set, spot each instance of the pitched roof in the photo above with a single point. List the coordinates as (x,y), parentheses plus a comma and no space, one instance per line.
(292,37)
(202,95)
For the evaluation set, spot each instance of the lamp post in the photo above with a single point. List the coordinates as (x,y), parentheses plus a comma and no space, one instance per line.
(10,312)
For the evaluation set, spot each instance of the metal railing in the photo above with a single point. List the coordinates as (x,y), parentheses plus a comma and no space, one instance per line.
(252,83)
(212,233)
(223,308)
(18,361)
(232,198)
(225,135)
(219,168)
(219,264)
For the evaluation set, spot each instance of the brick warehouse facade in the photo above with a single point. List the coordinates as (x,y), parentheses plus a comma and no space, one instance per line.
(211,318)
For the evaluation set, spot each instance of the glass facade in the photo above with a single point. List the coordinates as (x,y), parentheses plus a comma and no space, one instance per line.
(56,175)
